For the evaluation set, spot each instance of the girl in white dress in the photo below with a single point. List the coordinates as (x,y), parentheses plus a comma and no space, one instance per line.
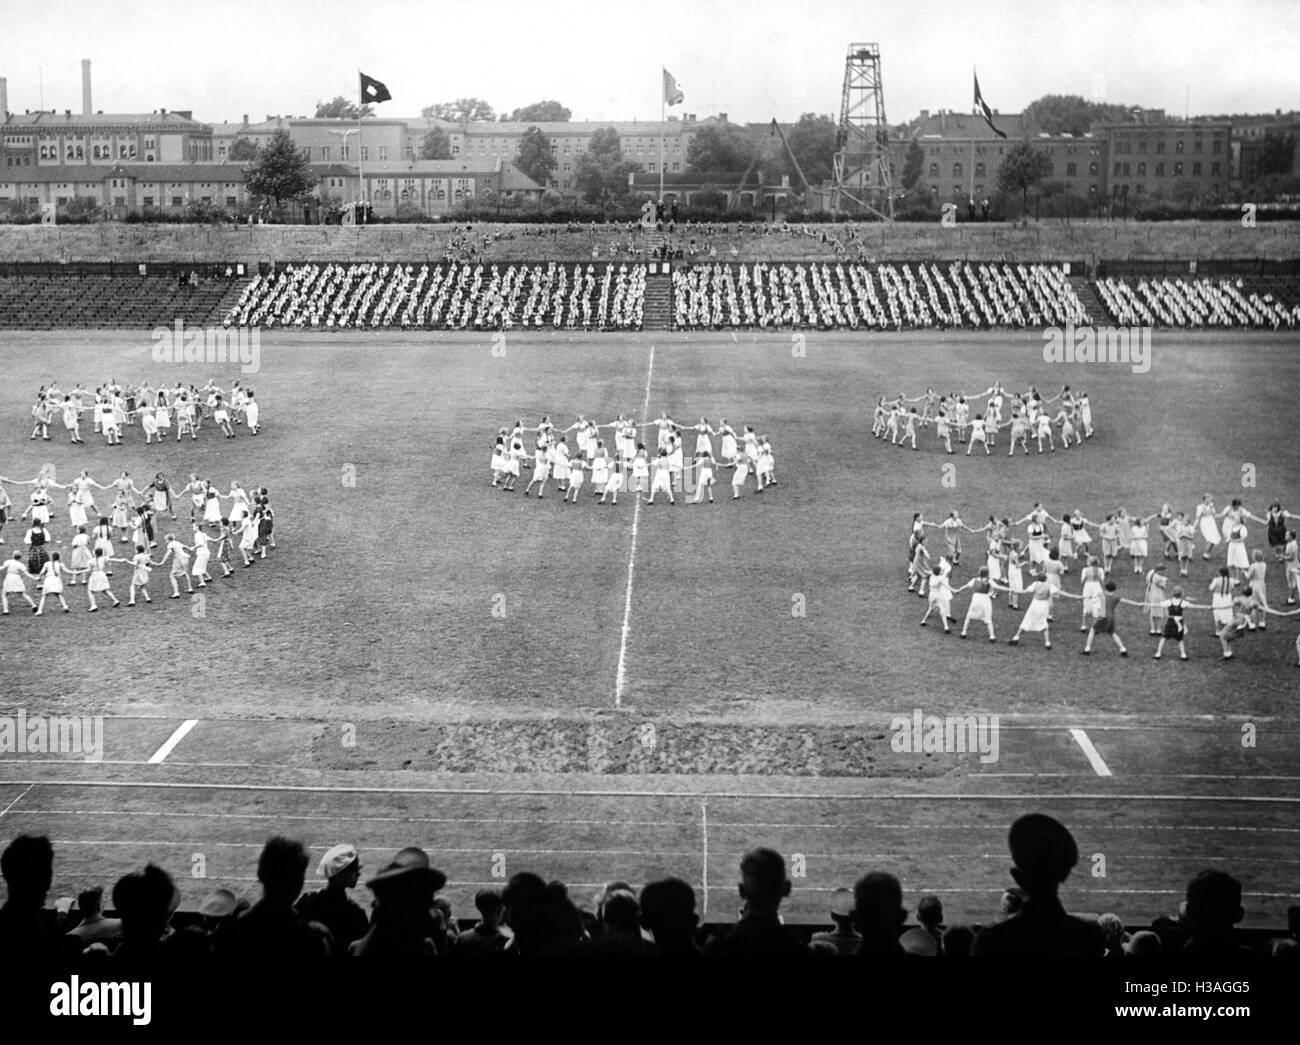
(72,419)
(703,433)
(101,539)
(613,484)
(98,584)
(51,581)
(1036,617)
(1094,595)
(1015,575)
(1221,598)
(599,469)
(141,564)
(81,557)
(202,553)
(252,415)
(1237,561)
(1205,521)
(730,451)
(1139,544)
(221,414)
(704,480)
(180,557)
(559,454)
(499,460)
(149,422)
(738,479)
(640,470)
(577,473)
(247,539)
(940,598)
(211,505)
(15,582)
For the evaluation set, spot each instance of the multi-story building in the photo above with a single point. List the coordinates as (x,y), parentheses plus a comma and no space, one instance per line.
(437,187)
(1168,159)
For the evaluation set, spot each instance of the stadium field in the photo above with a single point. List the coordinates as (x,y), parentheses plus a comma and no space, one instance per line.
(606,691)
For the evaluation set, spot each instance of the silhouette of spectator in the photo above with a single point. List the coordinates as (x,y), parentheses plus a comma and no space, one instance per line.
(929,912)
(402,925)
(144,900)
(331,906)
(272,930)
(1112,928)
(759,933)
(879,914)
(546,923)
(27,866)
(1293,921)
(620,927)
(844,938)
(668,914)
(486,937)
(218,910)
(517,887)
(94,927)
(1143,944)
(957,941)
(1043,853)
(1213,909)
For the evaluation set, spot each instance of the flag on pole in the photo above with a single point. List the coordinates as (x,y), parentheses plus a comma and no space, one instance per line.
(672,93)
(373,91)
(984,109)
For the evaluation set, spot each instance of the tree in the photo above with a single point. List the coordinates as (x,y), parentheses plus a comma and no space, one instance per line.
(1276,154)
(913,166)
(534,156)
(812,140)
(280,171)
(1022,169)
(462,110)
(601,173)
(1071,114)
(722,148)
(339,108)
(435,145)
(541,112)
(242,150)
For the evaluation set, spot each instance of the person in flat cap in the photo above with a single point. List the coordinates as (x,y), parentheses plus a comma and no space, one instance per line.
(403,926)
(844,938)
(331,906)
(1043,853)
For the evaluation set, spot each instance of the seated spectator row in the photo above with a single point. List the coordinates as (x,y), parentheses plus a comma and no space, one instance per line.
(530,917)
(445,297)
(1194,303)
(883,297)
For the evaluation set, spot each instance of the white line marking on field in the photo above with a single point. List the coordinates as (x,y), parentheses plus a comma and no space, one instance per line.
(761,796)
(620,679)
(16,801)
(172,741)
(704,823)
(1094,758)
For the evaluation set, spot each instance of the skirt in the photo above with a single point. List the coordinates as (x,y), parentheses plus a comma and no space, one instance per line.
(37,558)
(981,608)
(52,585)
(1138,549)
(1237,555)
(81,559)
(1210,530)
(159,501)
(119,518)
(1094,600)
(1035,618)
(98,582)
(212,510)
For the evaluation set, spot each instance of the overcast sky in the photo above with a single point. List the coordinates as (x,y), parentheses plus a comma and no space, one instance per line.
(753,60)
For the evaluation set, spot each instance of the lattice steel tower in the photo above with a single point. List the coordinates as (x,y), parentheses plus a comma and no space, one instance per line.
(862,182)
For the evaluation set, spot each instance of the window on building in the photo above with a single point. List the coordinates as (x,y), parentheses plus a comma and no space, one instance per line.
(1142,170)
(345,152)
(365,153)
(934,170)
(1160,146)
(956,170)
(383,152)
(1092,168)
(177,201)
(1139,188)
(1092,190)
(1218,145)
(1215,168)
(1178,170)
(1115,172)
(1198,146)
(1196,170)
(1178,145)
(118,201)
(147,201)
(979,170)
(1071,169)
(1142,147)
(232,201)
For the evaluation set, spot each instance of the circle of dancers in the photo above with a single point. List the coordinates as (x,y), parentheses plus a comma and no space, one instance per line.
(1034,567)
(113,407)
(627,464)
(1024,415)
(133,524)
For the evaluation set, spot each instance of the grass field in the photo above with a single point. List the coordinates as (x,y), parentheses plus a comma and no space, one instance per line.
(375,618)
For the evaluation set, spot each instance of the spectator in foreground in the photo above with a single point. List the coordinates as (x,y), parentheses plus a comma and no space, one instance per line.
(879,914)
(331,906)
(844,938)
(1143,944)
(1043,853)
(27,866)
(1112,928)
(145,901)
(94,927)
(620,928)
(1213,911)
(486,937)
(272,930)
(402,926)
(929,912)
(546,923)
(668,914)
(759,933)
(957,941)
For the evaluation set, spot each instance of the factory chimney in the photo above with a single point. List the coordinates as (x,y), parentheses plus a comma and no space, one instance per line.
(86,109)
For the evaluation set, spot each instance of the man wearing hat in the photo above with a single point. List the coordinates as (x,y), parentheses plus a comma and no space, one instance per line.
(331,906)
(845,938)
(403,925)
(1043,853)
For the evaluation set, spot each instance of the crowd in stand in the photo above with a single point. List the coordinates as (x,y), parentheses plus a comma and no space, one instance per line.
(1194,303)
(452,297)
(854,296)
(531,917)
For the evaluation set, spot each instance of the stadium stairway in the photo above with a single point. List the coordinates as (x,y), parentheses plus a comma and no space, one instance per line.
(1090,300)
(658,302)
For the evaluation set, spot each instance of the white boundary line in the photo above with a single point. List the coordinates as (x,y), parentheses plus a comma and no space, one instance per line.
(704,881)
(620,678)
(15,801)
(1094,756)
(781,796)
(170,744)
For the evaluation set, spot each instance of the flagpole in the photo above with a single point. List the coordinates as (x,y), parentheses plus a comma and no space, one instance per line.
(361,182)
(662,117)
